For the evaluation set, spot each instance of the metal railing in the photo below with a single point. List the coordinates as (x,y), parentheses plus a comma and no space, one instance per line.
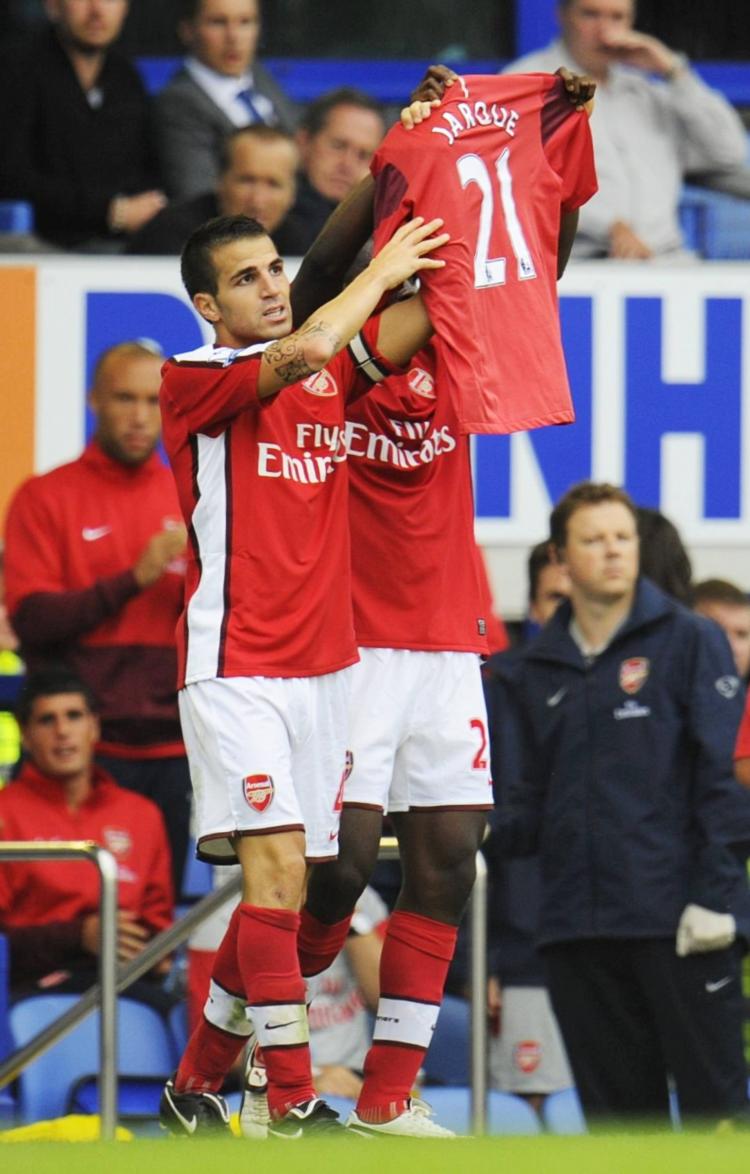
(114,980)
(105,862)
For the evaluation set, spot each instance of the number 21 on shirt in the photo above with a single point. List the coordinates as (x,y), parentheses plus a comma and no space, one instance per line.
(488,270)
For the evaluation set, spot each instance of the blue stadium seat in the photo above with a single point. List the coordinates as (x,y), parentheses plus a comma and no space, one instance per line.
(6,1040)
(447,1060)
(727,229)
(7,1101)
(16,216)
(197,879)
(506,1114)
(717,226)
(178,1026)
(47,1086)
(562,1112)
(693,211)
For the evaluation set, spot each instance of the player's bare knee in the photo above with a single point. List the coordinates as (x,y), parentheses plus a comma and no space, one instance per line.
(273,870)
(335,887)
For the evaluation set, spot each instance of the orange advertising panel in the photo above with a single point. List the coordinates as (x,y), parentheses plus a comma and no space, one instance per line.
(17,362)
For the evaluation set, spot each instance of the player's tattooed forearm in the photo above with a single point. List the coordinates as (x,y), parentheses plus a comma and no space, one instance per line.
(288,356)
(295,370)
(323,330)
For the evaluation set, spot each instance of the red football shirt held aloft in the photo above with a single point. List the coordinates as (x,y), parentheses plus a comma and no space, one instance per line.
(500,160)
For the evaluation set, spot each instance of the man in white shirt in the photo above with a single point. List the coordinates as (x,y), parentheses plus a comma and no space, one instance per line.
(219,88)
(653,122)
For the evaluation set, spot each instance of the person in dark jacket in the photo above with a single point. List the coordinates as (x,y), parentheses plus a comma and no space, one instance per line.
(628,707)
(257,178)
(337,138)
(76,130)
(526,1053)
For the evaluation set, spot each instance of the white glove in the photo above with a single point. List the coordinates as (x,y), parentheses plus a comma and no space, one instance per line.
(702,930)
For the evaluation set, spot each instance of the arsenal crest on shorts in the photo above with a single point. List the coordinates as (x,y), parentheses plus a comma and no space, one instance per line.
(258,791)
(634,673)
(527,1055)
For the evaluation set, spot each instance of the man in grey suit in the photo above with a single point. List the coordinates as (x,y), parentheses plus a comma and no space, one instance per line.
(654,121)
(219,88)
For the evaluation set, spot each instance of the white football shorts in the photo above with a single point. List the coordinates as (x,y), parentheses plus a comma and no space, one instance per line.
(266,754)
(418,731)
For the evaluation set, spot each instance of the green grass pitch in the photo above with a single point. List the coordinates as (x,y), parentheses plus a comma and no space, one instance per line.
(615,1154)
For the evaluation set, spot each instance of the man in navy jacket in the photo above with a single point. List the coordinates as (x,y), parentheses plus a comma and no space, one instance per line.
(629,706)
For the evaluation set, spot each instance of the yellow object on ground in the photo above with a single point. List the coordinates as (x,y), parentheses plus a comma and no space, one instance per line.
(76,1127)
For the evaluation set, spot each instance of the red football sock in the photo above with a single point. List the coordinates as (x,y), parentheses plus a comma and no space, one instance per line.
(210,1051)
(416,955)
(319,944)
(267,953)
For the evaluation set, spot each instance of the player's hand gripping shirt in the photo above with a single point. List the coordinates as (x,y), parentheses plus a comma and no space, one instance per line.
(415,579)
(500,160)
(263,490)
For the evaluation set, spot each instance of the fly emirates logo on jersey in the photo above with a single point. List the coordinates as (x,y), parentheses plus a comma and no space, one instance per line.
(321,447)
(413,443)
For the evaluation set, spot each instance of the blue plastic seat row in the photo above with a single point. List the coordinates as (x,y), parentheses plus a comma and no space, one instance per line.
(715,225)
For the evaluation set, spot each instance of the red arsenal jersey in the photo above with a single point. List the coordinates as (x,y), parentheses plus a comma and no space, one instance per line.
(499,161)
(263,490)
(416,583)
(35,892)
(72,538)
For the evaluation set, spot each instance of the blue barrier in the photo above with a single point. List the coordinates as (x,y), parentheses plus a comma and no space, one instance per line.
(390,81)
(16,216)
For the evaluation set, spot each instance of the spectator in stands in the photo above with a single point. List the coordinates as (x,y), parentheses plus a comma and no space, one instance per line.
(648,130)
(338,135)
(50,913)
(220,87)
(629,705)
(549,585)
(257,178)
(75,128)
(663,557)
(526,1052)
(94,572)
(729,606)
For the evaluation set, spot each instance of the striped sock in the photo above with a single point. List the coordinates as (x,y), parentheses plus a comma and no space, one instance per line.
(416,955)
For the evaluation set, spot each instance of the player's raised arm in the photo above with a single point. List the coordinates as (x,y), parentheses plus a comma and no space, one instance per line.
(332,326)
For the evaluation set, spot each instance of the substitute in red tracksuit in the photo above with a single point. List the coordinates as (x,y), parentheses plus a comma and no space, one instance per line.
(94,577)
(49,911)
